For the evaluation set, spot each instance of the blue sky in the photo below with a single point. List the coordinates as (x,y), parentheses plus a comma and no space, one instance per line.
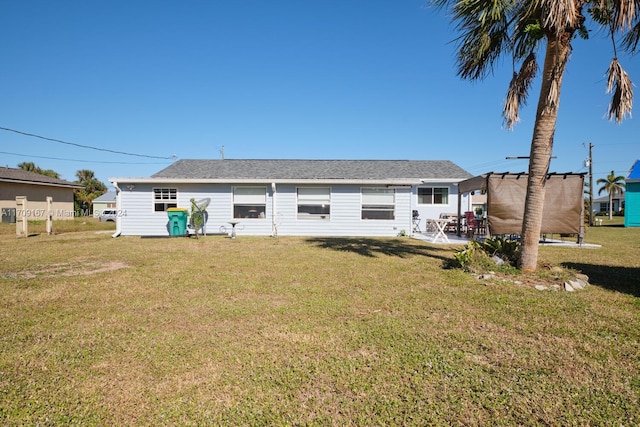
(289,79)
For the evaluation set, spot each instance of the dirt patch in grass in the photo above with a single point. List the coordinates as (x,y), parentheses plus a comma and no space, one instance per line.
(67,269)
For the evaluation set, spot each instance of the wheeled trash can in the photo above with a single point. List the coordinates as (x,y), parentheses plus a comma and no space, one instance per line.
(177,221)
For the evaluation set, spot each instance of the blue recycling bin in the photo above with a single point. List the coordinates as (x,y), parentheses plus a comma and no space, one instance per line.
(177,221)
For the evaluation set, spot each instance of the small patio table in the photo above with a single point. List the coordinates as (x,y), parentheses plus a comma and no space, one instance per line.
(439,224)
(233,228)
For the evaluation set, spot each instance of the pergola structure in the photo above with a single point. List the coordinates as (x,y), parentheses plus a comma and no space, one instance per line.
(506,192)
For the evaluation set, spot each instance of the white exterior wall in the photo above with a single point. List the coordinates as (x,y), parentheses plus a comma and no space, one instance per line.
(434,211)
(345,217)
(139,219)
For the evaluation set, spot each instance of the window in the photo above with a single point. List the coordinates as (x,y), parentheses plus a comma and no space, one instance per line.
(164,198)
(378,203)
(249,202)
(314,203)
(433,196)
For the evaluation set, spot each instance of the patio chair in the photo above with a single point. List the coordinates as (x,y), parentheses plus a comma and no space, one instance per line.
(473,224)
(416,221)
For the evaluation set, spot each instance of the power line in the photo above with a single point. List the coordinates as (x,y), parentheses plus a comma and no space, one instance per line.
(84,146)
(82,161)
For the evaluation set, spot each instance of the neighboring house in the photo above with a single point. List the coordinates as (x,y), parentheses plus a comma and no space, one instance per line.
(292,197)
(36,187)
(601,204)
(632,194)
(106,201)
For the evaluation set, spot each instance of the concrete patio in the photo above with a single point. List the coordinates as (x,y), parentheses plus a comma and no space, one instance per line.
(463,240)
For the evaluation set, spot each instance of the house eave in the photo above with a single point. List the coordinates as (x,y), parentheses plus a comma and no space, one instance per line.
(392,181)
(47,184)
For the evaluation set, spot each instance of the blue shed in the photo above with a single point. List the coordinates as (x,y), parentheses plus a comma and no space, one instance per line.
(632,197)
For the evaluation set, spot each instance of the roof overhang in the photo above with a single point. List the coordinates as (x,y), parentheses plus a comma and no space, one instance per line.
(392,182)
(47,184)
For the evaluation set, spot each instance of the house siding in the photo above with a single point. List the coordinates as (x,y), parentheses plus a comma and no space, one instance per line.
(434,210)
(36,194)
(632,205)
(138,216)
(345,217)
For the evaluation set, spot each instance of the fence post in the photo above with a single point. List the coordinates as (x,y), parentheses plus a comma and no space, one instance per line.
(21,217)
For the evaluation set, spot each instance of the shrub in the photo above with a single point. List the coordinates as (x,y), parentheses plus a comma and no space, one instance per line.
(476,257)
(506,248)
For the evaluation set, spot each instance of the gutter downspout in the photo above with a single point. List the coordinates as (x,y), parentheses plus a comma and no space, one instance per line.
(118,210)
(274,224)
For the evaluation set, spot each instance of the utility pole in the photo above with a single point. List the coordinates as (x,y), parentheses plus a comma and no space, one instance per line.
(590,184)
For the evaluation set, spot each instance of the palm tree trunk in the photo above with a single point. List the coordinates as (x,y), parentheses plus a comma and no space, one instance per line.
(610,205)
(557,52)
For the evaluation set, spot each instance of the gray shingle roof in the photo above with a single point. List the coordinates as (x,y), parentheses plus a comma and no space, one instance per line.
(109,196)
(313,169)
(22,176)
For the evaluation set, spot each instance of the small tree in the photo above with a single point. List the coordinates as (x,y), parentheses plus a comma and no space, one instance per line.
(612,184)
(92,188)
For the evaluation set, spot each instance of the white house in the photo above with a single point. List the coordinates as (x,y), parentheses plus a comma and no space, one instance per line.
(601,204)
(292,197)
(106,201)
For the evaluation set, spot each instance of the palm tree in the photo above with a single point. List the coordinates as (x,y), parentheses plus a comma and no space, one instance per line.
(92,188)
(612,184)
(49,172)
(28,166)
(32,167)
(491,29)
(84,175)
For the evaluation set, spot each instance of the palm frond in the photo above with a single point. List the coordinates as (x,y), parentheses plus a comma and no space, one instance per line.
(625,13)
(479,51)
(519,90)
(631,39)
(619,83)
(527,34)
(484,25)
(558,15)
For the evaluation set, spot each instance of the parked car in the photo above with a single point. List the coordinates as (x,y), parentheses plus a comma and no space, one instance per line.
(107,215)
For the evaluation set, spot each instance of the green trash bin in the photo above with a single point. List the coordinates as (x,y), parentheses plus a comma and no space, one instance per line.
(177,221)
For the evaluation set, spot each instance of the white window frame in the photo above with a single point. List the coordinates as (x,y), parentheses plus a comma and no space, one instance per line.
(375,203)
(313,203)
(249,202)
(433,196)
(168,198)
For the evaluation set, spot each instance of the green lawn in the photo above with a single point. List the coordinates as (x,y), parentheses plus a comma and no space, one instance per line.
(310,331)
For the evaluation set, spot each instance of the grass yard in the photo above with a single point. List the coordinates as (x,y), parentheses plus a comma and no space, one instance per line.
(310,331)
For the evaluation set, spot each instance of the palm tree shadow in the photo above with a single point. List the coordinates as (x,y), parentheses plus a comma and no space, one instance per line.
(614,278)
(369,247)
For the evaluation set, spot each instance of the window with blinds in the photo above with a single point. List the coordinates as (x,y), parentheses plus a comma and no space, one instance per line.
(249,202)
(314,203)
(378,203)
